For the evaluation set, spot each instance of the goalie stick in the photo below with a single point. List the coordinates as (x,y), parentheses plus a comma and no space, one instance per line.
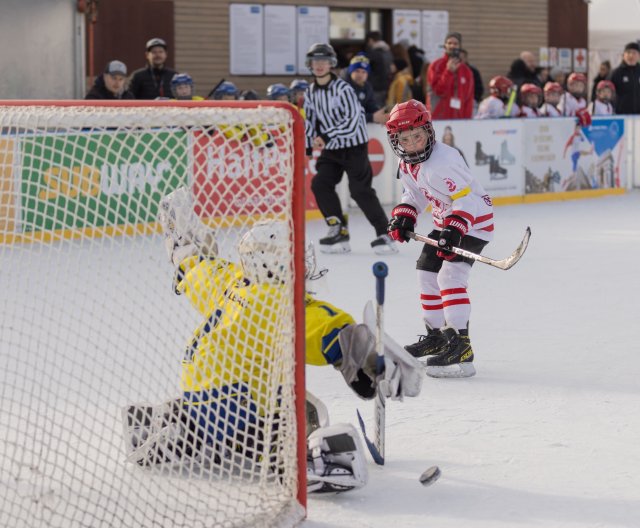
(376,447)
(504,264)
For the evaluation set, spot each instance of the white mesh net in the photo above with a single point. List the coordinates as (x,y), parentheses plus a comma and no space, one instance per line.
(122,403)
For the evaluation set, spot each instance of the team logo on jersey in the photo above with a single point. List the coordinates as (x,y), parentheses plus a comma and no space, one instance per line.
(451,185)
(487,200)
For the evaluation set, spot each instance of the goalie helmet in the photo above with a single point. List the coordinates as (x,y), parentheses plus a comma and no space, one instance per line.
(411,115)
(320,51)
(265,252)
(500,87)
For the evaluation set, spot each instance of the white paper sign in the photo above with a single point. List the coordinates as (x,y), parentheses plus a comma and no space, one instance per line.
(313,26)
(246,39)
(544,57)
(280,40)
(580,60)
(564,59)
(435,26)
(406,26)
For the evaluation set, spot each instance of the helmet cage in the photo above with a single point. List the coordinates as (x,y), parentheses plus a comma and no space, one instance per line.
(412,157)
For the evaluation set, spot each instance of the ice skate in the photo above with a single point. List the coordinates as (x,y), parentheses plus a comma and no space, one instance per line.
(457,361)
(496,172)
(506,158)
(384,245)
(337,239)
(428,345)
(481,157)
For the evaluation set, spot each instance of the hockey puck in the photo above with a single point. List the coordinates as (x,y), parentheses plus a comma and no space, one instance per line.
(430,475)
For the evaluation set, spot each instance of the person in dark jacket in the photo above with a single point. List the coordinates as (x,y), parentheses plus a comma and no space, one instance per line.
(154,80)
(358,73)
(478,87)
(380,59)
(111,84)
(604,72)
(626,79)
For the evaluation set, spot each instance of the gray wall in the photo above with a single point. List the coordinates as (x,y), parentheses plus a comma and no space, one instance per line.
(41,50)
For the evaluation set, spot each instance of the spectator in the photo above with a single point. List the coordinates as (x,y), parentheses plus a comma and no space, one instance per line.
(249,95)
(478,86)
(552,94)
(226,91)
(501,95)
(278,92)
(604,71)
(626,79)
(560,76)
(416,59)
(574,99)
(605,94)
(543,74)
(523,70)
(401,89)
(182,88)
(358,72)
(335,124)
(154,80)
(530,99)
(298,88)
(451,82)
(421,87)
(111,84)
(380,59)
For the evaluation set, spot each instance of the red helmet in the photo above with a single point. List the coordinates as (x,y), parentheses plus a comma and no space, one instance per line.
(576,77)
(606,84)
(553,87)
(408,116)
(530,88)
(500,86)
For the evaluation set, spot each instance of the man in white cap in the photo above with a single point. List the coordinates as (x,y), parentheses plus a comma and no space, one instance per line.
(112,83)
(154,80)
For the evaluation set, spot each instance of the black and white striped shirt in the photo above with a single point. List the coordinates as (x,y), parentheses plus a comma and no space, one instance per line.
(334,113)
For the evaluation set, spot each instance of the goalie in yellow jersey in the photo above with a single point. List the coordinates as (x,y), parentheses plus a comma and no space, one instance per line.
(230,362)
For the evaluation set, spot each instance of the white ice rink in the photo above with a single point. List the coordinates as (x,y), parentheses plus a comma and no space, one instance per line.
(547,432)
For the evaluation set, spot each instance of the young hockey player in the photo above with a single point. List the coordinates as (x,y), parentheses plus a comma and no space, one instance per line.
(530,99)
(574,99)
(182,88)
(552,95)
(605,94)
(497,104)
(434,174)
(225,379)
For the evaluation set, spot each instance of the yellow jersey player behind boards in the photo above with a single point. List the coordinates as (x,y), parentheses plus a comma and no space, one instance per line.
(229,364)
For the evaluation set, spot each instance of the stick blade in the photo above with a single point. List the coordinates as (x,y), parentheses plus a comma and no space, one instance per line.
(375,454)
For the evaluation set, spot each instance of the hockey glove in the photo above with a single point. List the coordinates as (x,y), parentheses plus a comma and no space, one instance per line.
(454,229)
(403,220)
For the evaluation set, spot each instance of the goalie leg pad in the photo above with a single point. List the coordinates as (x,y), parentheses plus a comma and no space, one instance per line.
(317,414)
(335,460)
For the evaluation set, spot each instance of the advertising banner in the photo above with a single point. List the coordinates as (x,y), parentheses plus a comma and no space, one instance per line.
(94,180)
(492,149)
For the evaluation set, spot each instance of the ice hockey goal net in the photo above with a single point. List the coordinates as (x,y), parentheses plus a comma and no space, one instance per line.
(90,323)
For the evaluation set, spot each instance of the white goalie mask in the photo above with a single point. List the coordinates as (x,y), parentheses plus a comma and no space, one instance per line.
(265,252)
(176,215)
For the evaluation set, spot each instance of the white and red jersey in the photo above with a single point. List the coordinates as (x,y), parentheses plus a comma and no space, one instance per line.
(601,108)
(549,110)
(445,182)
(493,107)
(527,111)
(569,104)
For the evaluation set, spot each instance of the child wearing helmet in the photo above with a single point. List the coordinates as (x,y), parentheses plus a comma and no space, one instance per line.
(574,99)
(434,174)
(278,92)
(530,99)
(182,88)
(552,94)
(497,103)
(605,94)
(226,91)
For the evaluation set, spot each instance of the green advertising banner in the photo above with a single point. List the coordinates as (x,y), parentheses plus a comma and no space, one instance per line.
(71,181)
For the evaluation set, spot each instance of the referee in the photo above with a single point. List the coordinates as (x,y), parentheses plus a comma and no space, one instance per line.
(335,123)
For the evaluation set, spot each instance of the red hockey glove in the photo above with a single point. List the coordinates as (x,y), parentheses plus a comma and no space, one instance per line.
(454,229)
(584,117)
(403,220)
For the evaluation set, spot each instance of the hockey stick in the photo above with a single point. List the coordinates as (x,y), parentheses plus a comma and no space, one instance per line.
(213,90)
(376,448)
(503,264)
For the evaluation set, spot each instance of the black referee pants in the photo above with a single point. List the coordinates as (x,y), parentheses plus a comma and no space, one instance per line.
(355,162)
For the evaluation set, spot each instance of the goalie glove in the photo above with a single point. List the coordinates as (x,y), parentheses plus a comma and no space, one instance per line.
(358,363)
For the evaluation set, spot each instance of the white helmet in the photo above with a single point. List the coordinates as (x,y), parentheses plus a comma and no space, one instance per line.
(265,252)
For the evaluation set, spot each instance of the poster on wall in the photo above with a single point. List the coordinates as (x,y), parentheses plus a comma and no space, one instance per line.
(313,26)
(246,39)
(406,26)
(491,149)
(435,26)
(565,59)
(568,157)
(279,40)
(580,60)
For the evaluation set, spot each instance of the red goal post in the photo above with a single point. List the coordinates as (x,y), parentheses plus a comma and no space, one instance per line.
(87,326)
